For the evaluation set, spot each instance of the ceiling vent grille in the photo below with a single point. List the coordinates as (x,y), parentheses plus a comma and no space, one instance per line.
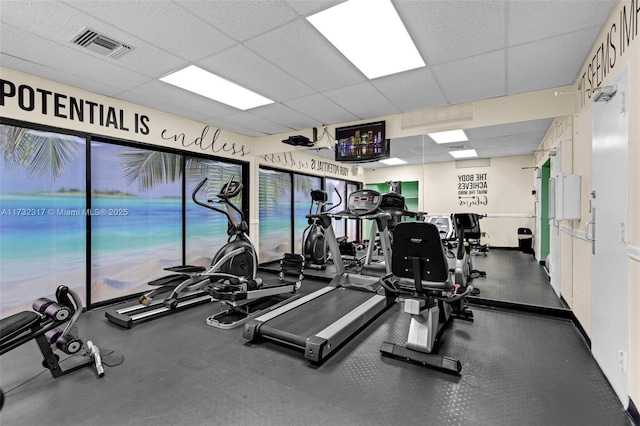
(451,116)
(100,44)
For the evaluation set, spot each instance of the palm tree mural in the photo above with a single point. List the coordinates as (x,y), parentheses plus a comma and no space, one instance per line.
(41,153)
(151,168)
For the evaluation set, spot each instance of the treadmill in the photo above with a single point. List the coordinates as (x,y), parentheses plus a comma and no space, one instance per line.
(320,322)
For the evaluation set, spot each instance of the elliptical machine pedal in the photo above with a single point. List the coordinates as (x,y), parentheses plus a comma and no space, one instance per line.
(247,299)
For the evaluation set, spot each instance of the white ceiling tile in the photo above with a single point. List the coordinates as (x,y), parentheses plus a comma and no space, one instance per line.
(62,77)
(249,70)
(450,30)
(411,90)
(321,109)
(362,100)
(165,95)
(242,20)
(301,51)
(187,30)
(258,124)
(537,20)
(527,72)
(279,113)
(227,125)
(309,7)
(478,77)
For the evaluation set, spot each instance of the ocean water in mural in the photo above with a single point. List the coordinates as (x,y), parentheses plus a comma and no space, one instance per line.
(139,232)
(42,229)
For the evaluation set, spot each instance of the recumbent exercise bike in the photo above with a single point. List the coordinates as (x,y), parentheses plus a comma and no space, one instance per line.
(420,274)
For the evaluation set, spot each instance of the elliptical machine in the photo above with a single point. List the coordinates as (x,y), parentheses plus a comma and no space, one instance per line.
(185,288)
(314,244)
(231,278)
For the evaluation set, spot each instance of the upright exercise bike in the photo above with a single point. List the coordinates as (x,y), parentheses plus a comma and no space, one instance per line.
(464,270)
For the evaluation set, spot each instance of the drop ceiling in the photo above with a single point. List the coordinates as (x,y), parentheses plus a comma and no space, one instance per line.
(473,50)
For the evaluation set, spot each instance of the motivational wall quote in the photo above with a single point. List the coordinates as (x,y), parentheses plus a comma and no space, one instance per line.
(44,102)
(473,189)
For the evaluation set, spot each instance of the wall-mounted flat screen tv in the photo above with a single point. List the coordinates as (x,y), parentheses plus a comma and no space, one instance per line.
(362,142)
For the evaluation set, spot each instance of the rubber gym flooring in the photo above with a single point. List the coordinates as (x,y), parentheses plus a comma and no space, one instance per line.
(518,369)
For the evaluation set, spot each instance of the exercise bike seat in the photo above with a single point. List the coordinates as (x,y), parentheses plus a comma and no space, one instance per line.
(16,324)
(419,262)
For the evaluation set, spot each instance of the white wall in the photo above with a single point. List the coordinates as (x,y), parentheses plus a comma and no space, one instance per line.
(619,42)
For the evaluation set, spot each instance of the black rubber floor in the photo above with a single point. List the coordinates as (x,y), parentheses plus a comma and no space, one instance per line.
(518,369)
(516,277)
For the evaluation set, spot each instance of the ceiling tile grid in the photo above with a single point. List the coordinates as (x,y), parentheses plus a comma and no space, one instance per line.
(474,50)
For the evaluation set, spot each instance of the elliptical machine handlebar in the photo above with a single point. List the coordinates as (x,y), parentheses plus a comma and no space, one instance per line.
(320,209)
(230,189)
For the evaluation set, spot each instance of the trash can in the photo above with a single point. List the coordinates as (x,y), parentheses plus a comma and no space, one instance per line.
(525,240)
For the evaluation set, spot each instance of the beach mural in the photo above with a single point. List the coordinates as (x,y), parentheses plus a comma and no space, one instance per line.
(139,233)
(135,216)
(275,214)
(42,216)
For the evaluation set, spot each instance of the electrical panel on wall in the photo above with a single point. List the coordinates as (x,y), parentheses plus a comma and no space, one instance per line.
(564,197)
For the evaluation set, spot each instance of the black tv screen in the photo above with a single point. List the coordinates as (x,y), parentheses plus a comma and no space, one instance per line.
(362,142)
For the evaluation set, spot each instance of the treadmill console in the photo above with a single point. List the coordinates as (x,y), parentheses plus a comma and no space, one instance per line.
(364,201)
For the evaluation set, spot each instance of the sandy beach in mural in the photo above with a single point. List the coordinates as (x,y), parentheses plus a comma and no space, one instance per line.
(112,276)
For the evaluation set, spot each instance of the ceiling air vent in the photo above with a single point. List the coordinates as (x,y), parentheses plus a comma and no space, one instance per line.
(100,44)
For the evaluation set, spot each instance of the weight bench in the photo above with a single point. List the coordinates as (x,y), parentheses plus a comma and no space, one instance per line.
(44,324)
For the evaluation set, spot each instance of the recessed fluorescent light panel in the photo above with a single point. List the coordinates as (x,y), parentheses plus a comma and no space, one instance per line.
(449,137)
(393,161)
(201,82)
(371,35)
(464,153)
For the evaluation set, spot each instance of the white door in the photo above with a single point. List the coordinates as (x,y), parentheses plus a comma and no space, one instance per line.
(554,229)
(609,263)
